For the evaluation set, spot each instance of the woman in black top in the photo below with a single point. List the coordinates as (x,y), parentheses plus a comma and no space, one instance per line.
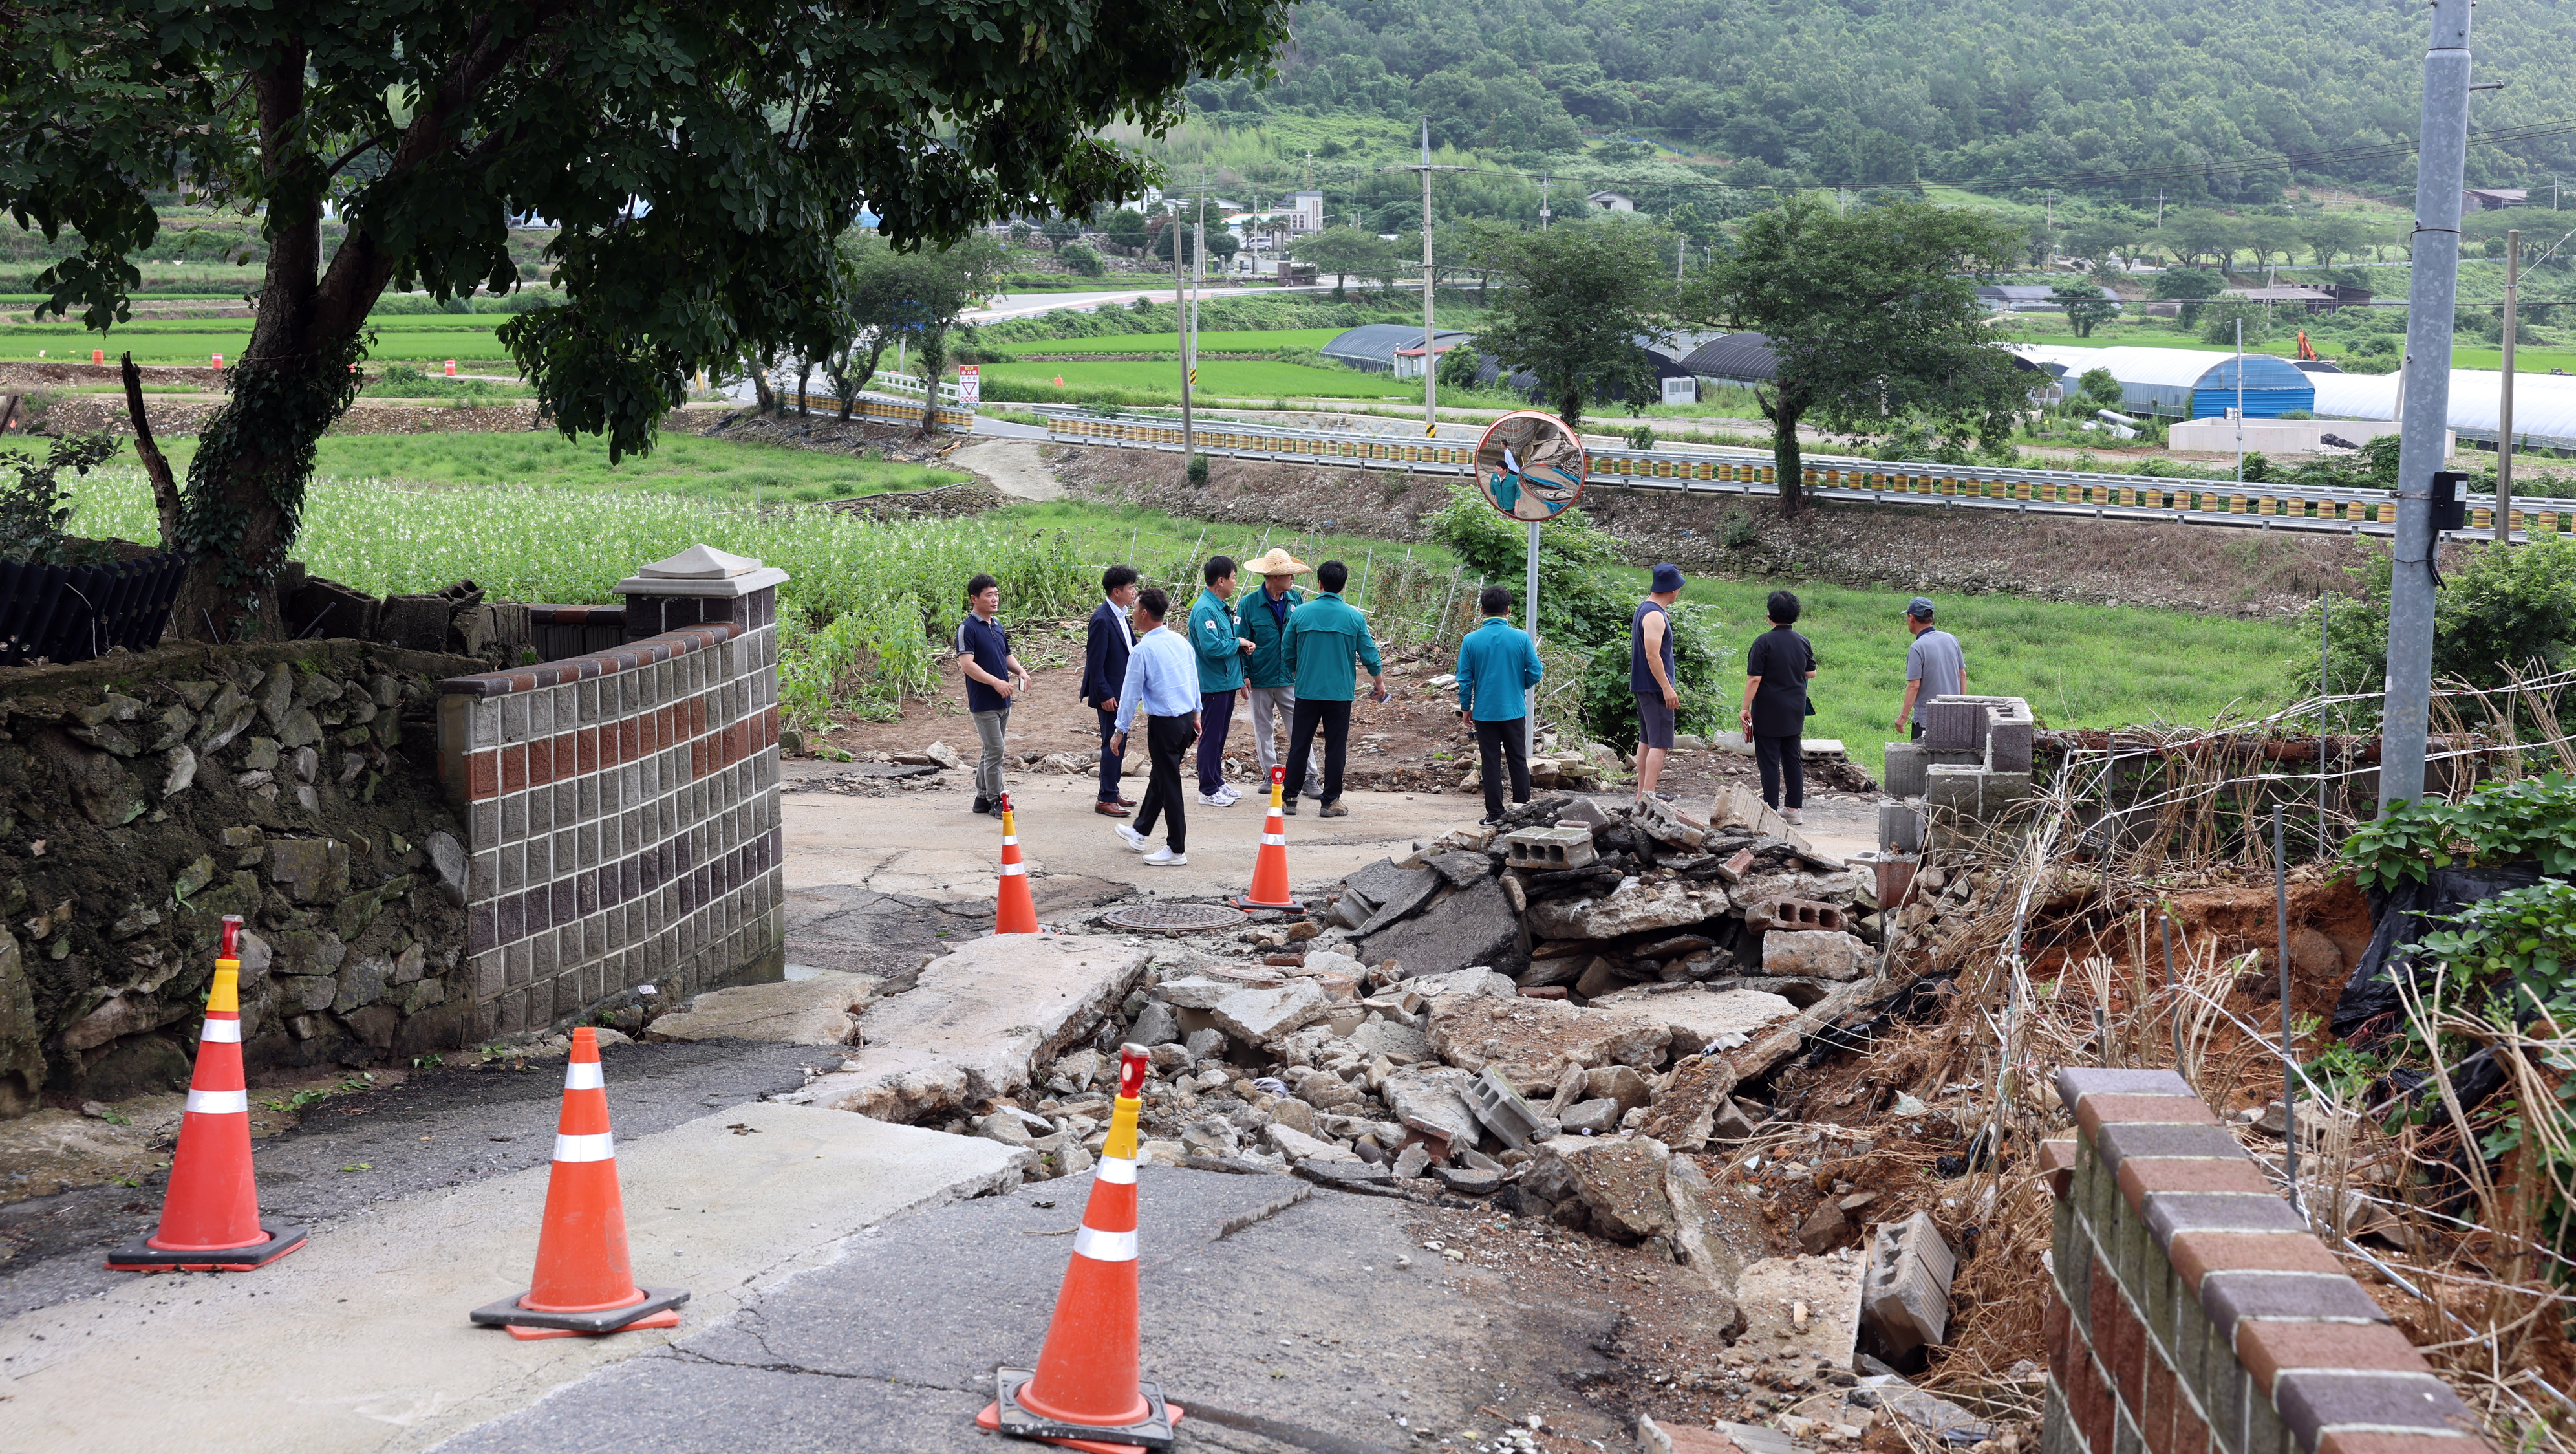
(1775,705)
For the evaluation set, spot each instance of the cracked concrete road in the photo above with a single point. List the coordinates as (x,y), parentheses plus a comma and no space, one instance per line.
(1279,1313)
(360,1341)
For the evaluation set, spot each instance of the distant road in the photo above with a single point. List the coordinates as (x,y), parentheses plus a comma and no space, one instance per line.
(1024,305)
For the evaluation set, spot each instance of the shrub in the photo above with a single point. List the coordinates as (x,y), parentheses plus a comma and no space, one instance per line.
(866,662)
(2530,818)
(1080,259)
(2505,610)
(36,509)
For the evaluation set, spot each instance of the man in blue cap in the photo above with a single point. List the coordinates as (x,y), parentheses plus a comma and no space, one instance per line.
(1650,676)
(1935,666)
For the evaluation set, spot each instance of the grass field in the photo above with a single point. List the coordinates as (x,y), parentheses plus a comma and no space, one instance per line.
(710,469)
(1250,379)
(411,338)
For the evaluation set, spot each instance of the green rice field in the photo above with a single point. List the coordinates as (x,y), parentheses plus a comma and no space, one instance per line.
(1230,341)
(1238,379)
(411,338)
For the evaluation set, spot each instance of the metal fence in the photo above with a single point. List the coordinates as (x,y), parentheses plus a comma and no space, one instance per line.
(73,613)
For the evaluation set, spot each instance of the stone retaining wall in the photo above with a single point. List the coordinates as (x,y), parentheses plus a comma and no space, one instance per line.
(2191,1311)
(145,795)
(621,809)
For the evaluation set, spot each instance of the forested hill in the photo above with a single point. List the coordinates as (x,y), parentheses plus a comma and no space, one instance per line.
(1972,91)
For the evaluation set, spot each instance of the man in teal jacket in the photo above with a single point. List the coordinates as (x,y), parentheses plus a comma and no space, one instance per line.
(1497,665)
(1221,650)
(1324,636)
(1268,689)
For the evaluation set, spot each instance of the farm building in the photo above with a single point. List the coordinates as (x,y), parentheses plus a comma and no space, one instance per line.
(1373,346)
(2544,405)
(2186,383)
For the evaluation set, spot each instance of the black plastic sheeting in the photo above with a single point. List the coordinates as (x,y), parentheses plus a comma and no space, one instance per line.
(2371,1006)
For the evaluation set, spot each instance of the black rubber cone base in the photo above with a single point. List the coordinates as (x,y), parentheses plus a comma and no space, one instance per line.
(140,1255)
(1154,1431)
(508,1314)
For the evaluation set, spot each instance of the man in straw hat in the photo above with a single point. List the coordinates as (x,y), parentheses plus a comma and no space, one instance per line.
(1263,619)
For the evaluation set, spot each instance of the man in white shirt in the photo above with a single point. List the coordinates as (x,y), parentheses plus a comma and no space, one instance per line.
(1162,687)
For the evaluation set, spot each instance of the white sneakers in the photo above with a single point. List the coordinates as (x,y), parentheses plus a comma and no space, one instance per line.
(1159,858)
(1789,815)
(1225,796)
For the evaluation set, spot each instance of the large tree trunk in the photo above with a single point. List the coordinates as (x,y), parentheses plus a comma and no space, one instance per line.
(1783,409)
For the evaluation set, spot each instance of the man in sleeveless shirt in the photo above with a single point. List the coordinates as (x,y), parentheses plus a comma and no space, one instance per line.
(1650,676)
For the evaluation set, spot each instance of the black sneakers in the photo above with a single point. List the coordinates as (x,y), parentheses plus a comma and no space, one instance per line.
(982,805)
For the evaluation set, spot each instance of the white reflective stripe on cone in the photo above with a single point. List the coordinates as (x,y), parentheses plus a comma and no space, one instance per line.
(220,1032)
(1010,840)
(1011,868)
(583,1075)
(1102,1246)
(218,1103)
(585,1148)
(1117,1171)
(1274,840)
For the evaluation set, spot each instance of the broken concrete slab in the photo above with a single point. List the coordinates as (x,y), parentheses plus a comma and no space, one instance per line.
(1400,1044)
(1265,1016)
(1620,1180)
(1699,1018)
(1459,867)
(1527,1039)
(1395,892)
(1298,1146)
(1632,908)
(1466,983)
(822,1009)
(1434,1102)
(1803,1306)
(1589,1118)
(1817,954)
(1474,926)
(979,1023)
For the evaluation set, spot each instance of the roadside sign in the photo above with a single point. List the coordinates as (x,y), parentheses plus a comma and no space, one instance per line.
(970,384)
(1530,465)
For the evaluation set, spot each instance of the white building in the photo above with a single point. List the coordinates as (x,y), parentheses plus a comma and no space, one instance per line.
(1307,211)
(1612,202)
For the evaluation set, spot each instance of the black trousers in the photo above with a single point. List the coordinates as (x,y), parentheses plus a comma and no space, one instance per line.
(1497,742)
(1167,739)
(1335,719)
(1784,771)
(1110,763)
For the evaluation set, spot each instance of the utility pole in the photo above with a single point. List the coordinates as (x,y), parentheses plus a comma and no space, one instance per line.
(1181,333)
(2504,401)
(1430,285)
(2441,165)
(1542,204)
(2240,401)
(2160,211)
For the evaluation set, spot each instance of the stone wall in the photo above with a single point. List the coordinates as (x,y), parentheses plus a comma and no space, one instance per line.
(621,808)
(145,795)
(2191,1311)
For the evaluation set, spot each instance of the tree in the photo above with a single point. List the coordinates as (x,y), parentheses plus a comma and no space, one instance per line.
(2192,287)
(2330,235)
(1341,251)
(2199,232)
(1126,228)
(2098,389)
(887,294)
(1080,258)
(1059,230)
(1871,316)
(2085,306)
(700,164)
(1580,296)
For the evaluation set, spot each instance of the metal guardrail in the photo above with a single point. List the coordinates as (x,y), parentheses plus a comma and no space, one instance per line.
(1847,478)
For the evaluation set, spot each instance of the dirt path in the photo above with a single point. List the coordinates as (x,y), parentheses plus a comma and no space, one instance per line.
(1012,466)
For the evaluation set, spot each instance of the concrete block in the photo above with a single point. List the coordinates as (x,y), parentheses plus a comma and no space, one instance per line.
(2008,736)
(1905,764)
(1955,724)
(1779,911)
(1952,791)
(1498,1103)
(1549,848)
(1900,824)
(1906,1297)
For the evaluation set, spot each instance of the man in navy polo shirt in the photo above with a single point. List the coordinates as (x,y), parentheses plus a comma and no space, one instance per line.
(993,677)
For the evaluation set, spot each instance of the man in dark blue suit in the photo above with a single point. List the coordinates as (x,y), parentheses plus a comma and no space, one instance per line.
(1104,672)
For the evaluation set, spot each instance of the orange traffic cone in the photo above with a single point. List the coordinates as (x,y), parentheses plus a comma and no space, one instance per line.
(210,1220)
(1085,1393)
(1014,912)
(1270,865)
(98,355)
(583,1283)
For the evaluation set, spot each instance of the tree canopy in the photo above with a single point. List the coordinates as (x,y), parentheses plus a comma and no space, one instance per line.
(1873,318)
(1583,295)
(700,164)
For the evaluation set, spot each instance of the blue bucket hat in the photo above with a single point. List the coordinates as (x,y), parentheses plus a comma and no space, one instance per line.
(1668,577)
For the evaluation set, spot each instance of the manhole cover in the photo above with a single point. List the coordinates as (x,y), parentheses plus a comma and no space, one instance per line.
(1173,918)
